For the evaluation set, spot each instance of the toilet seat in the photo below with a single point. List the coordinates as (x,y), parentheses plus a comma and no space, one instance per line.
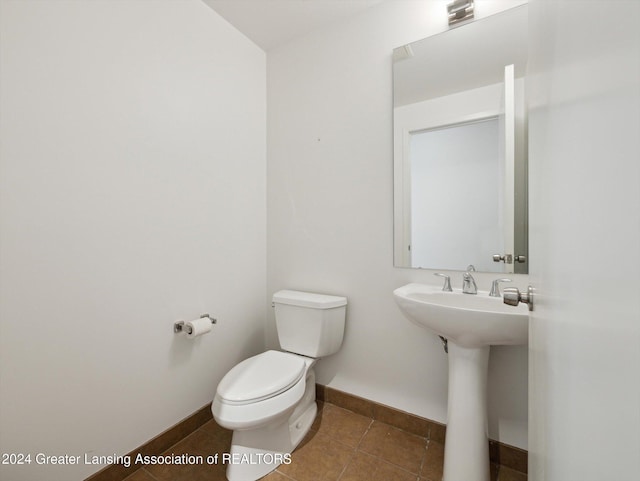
(260,389)
(261,377)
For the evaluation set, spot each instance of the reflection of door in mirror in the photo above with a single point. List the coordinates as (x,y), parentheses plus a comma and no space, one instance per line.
(466,157)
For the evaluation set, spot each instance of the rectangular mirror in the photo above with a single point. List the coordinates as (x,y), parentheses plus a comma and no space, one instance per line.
(460,154)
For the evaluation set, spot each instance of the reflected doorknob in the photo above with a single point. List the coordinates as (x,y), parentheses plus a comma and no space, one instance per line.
(512,296)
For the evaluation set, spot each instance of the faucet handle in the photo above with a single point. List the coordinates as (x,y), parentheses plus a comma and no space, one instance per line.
(471,268)
(447,282)
(495,289)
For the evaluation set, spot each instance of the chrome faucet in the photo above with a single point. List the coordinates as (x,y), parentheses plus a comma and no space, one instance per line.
(468,282)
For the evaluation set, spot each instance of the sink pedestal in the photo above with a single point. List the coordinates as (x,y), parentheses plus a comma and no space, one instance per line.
(466,449)
(476,321)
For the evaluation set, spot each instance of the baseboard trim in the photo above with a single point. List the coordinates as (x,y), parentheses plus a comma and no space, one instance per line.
(157,445)
(499,453)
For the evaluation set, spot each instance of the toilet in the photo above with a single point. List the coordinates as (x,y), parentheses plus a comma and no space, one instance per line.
(269,400)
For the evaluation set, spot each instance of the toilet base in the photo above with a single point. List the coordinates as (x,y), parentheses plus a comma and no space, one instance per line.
(256,452)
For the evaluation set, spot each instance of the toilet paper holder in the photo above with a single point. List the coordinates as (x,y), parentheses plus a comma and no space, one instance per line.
(180,326)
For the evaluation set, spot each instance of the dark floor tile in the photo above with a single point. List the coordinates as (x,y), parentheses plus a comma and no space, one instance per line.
(364,467)
(140,475)
(395,446)
(199,443)
(433,462)
(276,476)
(493,471)
(342,425)
(222,435)
(318,458)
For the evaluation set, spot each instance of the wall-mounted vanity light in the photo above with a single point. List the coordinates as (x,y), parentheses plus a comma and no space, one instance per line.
(460,10)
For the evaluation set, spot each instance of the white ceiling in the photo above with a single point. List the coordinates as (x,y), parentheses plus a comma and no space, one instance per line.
(271,23)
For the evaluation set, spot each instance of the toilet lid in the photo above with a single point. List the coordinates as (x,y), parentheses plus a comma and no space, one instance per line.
(261,377)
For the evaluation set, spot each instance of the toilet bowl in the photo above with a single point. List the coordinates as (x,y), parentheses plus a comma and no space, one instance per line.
(268,400)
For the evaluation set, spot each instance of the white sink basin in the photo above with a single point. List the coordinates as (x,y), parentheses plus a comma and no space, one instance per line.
(469,320)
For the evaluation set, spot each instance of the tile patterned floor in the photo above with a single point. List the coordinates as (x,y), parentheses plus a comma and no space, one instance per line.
(341,446)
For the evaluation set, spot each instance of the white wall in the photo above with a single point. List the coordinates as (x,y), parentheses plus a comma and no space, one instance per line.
(330,213)
(132,195)
(585,241)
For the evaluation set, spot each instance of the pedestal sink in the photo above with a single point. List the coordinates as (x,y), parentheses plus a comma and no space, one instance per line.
(471,323)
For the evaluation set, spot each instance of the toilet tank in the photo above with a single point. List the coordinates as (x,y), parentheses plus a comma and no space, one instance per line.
(309,324)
